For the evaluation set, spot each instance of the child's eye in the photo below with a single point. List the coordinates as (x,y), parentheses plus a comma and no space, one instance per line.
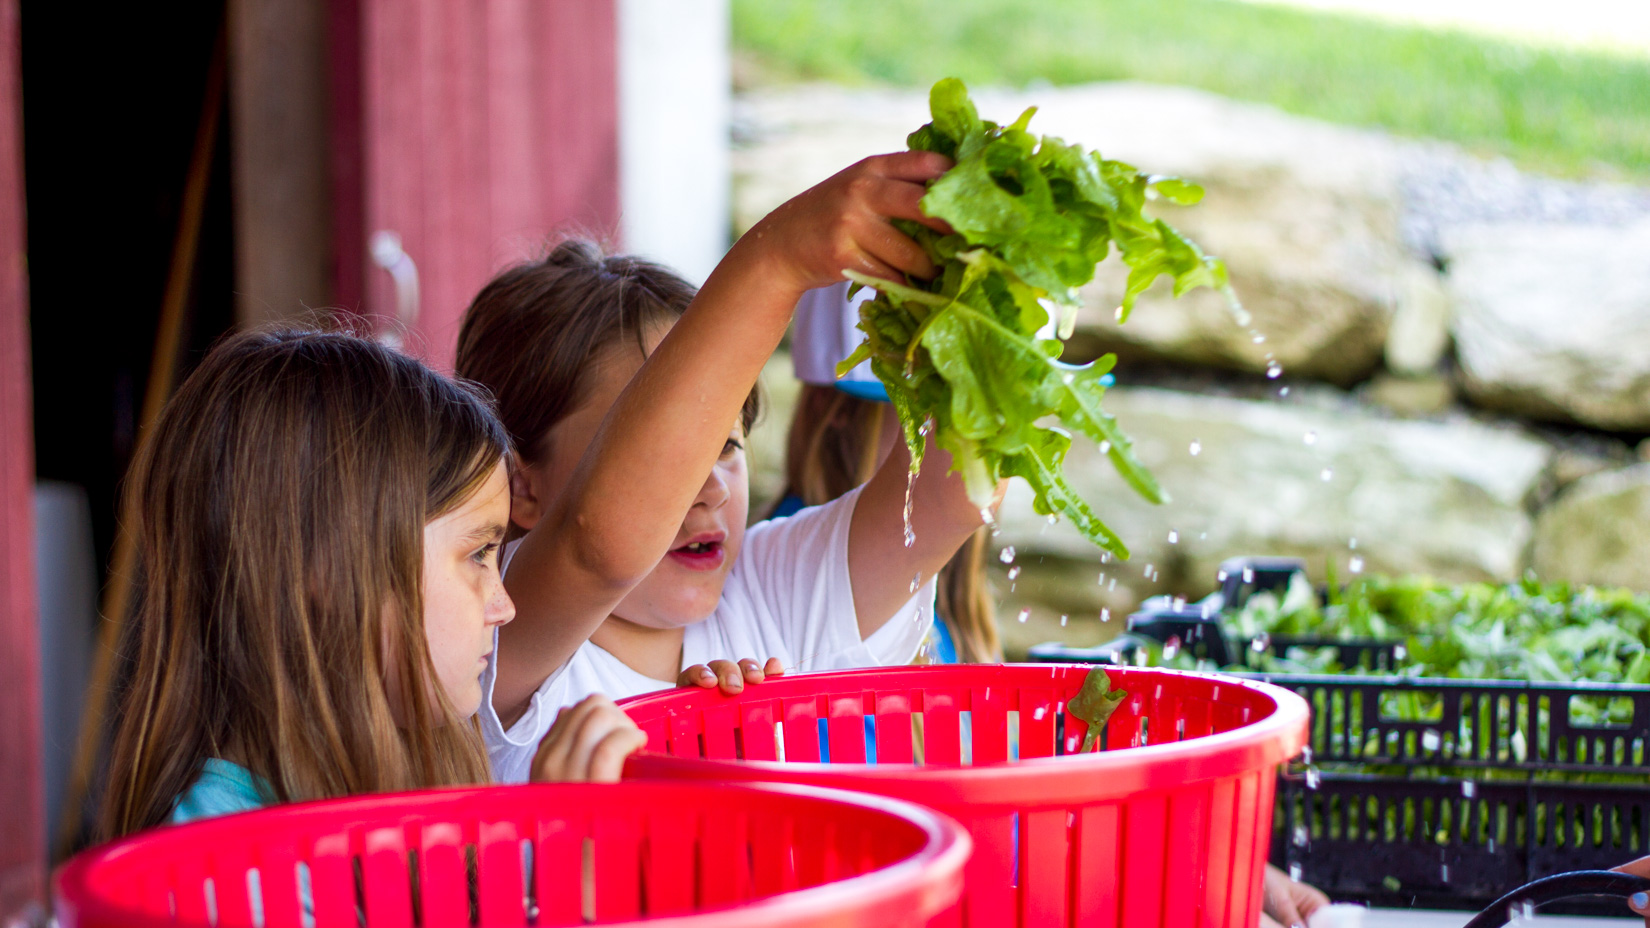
(732,445)
(484,554)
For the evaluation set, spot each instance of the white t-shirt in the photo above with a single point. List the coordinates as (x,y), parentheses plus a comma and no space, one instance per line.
(787,596)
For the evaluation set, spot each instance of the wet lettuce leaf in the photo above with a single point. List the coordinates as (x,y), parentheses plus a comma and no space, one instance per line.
(971,357)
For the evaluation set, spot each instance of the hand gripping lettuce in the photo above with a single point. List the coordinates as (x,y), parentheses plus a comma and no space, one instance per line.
(968,357)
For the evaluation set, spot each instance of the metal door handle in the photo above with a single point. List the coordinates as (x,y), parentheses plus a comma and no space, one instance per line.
(388,254)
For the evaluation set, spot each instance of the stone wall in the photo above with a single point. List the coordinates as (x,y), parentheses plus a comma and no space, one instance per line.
(1445,370)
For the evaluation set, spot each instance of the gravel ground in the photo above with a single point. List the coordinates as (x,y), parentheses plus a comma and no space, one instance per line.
(1444,186)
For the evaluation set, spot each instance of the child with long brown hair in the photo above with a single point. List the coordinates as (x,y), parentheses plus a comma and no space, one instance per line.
(555,341)
(319,521)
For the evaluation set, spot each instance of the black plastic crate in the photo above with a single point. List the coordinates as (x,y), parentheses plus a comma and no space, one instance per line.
(1458,808)
(1427,792)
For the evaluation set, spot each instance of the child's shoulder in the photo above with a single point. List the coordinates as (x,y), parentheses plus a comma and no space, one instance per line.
(223,787)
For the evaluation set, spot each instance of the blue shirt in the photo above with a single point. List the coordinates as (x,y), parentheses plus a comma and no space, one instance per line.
(222,788)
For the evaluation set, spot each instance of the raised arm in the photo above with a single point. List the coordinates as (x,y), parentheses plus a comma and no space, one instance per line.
(623,506)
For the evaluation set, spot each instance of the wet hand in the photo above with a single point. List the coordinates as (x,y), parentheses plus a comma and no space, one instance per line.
(730,676)
(1639,902)
(1290,902)
(843,223)
(588,744)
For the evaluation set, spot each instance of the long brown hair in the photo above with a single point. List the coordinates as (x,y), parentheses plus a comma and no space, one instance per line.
(278,505)
(533,331)
(832,448)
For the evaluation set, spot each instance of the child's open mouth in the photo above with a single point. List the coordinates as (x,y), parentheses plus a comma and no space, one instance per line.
(704,553)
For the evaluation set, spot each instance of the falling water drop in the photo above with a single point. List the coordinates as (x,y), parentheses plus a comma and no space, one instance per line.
(1054,518)
(1105,447)
(1174,537)
(1352,544)
(1221,576)
(1283,391)
(1258,339)
(1313,778)
(1260,642)
(1102,580)
(1248,575)
(910,486)
(1179,603)
(1024,615)
(986,518)
(1310,438)
(1105,557)
(1112,585)
(1327,474)
(1356,565)
(1294,873)
(1119,314)
(1196,448)
(1469,789)
(1006,555)
(1105,615)
(1063,621)
(1067,379)
(916,581)
(1274,370)
(1171,647)
(1014,572)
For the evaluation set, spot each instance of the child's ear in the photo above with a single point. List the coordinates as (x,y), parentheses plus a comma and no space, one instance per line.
(525,506)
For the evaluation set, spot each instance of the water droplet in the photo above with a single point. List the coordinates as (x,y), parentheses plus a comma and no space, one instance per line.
(1283,391)
(1294,873)
(1038,715)
(1310,438)
(1105,557)
(1469,789)
(1356,565)
(916,581)
(1112,585)
(910,486)
(1302,837)
(926,426)
(1260,642)
(1306,755)
(1221,576)
(1248,575)
(1063,621)
(1140,657)
(986,518)
(1171,647)
(1024,615)
(1274,370)
(1179,603)
(1105,615)
(1399,652)
(1119,314)
(1067,379)
(1105,447)
(1202,536)
(1054,518)
(1430,740)
(1102,580)
(1174,537)
(1006,555)
(1196,448)
(1259,339)
(1352,544)
(1327,474)
(1014,572)
(1313,778)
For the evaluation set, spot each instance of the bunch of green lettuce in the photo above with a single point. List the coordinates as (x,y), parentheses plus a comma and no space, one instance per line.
(968,356)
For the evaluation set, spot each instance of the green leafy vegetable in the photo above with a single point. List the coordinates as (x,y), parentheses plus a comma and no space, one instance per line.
(1094,703)
(967,356)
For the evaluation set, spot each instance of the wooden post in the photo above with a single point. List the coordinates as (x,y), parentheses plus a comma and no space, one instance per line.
(278,115)
(22,814)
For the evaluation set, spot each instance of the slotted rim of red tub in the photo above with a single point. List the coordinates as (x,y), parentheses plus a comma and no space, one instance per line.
(1198,727)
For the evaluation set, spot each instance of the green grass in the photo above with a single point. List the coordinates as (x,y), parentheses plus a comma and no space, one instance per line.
(1570,112)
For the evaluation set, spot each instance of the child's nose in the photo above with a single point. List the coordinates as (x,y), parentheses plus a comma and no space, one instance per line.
(500,607)
(715,491)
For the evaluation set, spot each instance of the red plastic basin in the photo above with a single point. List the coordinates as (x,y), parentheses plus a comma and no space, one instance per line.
(1167,826)
(669,855)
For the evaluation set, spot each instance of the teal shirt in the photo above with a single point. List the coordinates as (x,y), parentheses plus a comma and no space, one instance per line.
(222,788)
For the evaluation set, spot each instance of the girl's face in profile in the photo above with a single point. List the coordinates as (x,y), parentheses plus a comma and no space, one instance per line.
(464,598)
(687,583)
